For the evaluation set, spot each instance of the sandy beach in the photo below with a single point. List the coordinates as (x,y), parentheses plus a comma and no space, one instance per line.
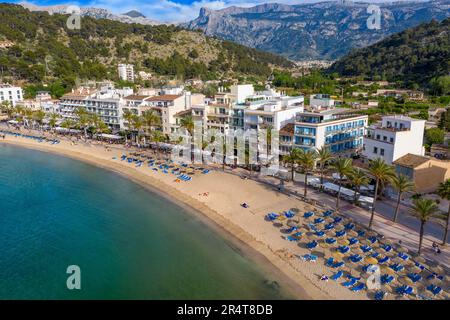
(225,192)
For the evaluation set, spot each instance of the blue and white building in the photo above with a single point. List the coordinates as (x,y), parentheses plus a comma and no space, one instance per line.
(341,130)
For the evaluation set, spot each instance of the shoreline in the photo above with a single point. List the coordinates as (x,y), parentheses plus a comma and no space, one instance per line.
(295,281)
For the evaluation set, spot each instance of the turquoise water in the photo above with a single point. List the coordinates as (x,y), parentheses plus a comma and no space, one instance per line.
(129,243)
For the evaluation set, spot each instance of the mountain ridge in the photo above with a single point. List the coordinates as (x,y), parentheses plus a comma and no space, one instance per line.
(323,30)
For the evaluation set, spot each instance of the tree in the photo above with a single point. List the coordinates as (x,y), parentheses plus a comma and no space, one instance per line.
(307,161)
(382,172)
(424,210)
(401,184)
(188,124)
(343,167)
(39,116)
(53,119)
(128,117)
(83,119)
(324,156)
(444,192)
(434,136)
(292,159)
(358,178)
(151,119)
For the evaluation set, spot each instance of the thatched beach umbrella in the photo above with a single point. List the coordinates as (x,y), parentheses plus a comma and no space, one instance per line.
(371,260)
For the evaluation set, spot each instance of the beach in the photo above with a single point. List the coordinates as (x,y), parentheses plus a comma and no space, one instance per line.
(218,197)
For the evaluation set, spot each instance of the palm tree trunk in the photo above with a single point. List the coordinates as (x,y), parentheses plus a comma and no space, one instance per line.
(444,240)
(421,237)
(397,206)
(372,213)
(355,196)
(292,171)
(338,197)
(306,184)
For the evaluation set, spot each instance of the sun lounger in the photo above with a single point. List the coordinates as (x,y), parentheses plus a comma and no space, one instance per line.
(405,290)
(435,290)
(329,226)
(330,240)
(292,238)
(349,226)
(289,214)
(337,264)
(366,249)
(309,257)
(386,278)
(337,219)
(337,275)
(414,277)
(340,233)
(327,213)
(308,214)
(312,244)
(319,233)
(350,283)
(318,220)
(355,258)
(396,267)
(291,229)
(361,233)
(360,286)
(353,241)
(343,249)
(379,295)
(387,248)
(372,239)
(383,260)
(403,256)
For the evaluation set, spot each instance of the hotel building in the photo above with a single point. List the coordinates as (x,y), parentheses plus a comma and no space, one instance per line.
(340,130)
(10,93)
(393,138)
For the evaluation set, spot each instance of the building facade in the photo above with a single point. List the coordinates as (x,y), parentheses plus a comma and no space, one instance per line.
(10,93)
(126,72)
(393,138)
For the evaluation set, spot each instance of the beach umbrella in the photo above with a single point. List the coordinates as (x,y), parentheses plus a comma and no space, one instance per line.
(370,260)
(437,269)
(324,245)
(406,281)
(291,223)
(343,242)
(337,255)
(387,270)
(295,210)
(420,259)
(352,233)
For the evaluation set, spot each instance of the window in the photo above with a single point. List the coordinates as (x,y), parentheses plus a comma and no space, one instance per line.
(384,138)
(378,137)
(381,152)
(375,150)
(391,140)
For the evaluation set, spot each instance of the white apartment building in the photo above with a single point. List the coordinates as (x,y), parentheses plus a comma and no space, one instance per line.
(106,102)
(275,113)
(395,137)
(319,101)
(10,93)
(340,130)
(126,72)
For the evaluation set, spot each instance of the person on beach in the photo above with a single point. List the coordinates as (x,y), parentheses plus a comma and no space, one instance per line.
(324,278)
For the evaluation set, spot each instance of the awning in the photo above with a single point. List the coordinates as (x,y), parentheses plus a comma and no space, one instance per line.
(110,136)
(13,122)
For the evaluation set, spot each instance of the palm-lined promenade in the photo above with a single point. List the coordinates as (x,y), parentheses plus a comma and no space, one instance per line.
(343,241)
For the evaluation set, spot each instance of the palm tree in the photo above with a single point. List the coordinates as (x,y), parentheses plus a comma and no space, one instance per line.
(358,178)
(343,167)
(68,123)
(83,119)
(188,123)
(444,192)
(150,119)
(138,124)
(382,172)
(157,137)
(401,184)
(128,117)
(424,210)
(53,119)
(39,116)
(323,157)
(292,159)
(307,161)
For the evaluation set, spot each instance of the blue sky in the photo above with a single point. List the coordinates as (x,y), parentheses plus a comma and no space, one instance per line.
(164,10)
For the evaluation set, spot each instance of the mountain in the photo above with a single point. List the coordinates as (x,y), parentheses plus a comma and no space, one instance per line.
(134,14)
(45,50)
(414,56)
(130,17)
(325,30)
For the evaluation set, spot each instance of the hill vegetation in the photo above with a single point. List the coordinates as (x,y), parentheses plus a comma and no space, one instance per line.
(416,57)
(46,51)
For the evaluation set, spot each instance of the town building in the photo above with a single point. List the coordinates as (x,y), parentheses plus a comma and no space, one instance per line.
(340,130)
(395,137)
(10,93)
(320,101)
(126,72)
(426,172)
